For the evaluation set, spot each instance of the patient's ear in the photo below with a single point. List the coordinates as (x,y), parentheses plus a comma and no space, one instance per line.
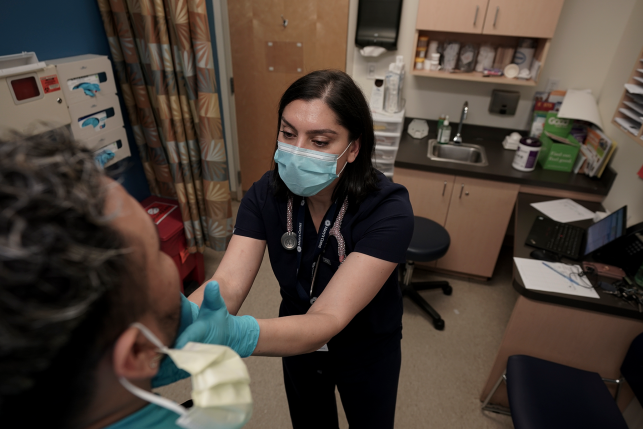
(134,356)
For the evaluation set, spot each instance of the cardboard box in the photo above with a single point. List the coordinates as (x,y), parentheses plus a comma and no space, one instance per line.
(557,126)
(558,153)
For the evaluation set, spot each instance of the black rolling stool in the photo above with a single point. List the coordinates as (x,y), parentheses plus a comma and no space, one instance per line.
(430,242)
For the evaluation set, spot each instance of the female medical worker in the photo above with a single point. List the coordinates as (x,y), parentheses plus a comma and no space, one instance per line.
(335,229)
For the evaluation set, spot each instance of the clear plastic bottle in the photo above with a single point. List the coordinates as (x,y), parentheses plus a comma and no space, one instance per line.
(441,122)
(445,132)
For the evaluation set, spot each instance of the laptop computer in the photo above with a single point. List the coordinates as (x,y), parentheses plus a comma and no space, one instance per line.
(574,242)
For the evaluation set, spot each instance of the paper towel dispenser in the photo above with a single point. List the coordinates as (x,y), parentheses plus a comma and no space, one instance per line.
(378,23)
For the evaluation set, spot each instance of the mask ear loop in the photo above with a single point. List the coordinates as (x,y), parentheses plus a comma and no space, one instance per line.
(150,336)
(154,399)
(144,394)
(342,154)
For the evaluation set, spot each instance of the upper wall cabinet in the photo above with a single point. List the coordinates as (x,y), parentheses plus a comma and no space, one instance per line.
(524,18)
(495,23)
(460,16)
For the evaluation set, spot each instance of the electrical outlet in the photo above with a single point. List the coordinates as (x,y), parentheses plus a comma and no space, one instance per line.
(371,70)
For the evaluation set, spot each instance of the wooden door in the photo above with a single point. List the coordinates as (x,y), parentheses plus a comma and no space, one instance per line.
(526,18)
(461,16)
(268,56)
(479,213)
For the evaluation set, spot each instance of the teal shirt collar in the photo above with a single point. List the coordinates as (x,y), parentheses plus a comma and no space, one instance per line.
(150,416)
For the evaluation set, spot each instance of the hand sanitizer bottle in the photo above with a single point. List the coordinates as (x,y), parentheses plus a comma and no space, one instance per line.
(445,132)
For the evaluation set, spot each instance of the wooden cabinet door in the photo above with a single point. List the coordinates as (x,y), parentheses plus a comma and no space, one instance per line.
(526,18)
(479,213)
(460,16)
(430,193)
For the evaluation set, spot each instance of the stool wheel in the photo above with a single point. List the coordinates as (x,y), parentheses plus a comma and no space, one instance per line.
(447,290)
(438,324)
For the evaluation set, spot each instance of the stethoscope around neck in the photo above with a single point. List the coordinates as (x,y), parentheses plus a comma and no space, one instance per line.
(291,240)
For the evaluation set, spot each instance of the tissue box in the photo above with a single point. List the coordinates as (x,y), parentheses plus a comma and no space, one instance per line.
(558,153)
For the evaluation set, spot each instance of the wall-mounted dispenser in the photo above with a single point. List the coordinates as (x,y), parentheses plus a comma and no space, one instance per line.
(504,102)
(378,23)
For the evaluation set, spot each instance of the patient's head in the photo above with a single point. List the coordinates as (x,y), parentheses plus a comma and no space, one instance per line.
(79,262)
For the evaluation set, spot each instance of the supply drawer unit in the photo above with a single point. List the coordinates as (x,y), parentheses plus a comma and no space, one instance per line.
(387,139)
(388,133)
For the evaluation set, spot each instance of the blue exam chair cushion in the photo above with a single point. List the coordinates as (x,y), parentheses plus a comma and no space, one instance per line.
(430,241)
(544,394)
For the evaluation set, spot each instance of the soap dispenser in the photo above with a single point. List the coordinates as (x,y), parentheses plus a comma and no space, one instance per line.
(445,132)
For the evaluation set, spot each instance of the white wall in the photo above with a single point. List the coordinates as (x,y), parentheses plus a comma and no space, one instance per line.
(628,159)
(581,53)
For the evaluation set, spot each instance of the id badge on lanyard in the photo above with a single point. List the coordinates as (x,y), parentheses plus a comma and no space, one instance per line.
(322,241)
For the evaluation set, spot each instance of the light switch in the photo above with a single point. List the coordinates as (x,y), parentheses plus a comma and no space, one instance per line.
(504,102)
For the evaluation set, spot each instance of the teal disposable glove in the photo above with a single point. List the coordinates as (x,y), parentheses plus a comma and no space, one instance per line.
(90,88)
(168,371)
(104,157)
(215,325)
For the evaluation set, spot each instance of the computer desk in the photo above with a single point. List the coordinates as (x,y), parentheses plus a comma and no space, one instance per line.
(586,333)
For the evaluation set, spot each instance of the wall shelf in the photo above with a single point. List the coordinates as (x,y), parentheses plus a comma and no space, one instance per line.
(474,77)
(540,54)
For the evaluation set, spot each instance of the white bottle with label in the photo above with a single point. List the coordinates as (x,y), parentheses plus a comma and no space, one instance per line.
(444,133)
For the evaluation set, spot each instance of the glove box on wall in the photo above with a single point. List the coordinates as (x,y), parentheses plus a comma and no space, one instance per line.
(93,117)
(85,73)
(115,140)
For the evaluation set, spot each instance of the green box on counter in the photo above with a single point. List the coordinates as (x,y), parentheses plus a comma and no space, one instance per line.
(558,153)
(556,126)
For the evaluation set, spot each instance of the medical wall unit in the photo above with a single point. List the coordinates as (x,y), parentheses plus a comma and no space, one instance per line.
(388,132)
(31,99)
(88,85)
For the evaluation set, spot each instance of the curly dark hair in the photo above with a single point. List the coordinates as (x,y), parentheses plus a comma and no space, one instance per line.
(67,281)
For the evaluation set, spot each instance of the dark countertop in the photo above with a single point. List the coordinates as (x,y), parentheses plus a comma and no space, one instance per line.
(412,154)
(525,216)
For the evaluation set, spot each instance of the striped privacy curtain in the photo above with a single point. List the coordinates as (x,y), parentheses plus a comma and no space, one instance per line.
(162,54)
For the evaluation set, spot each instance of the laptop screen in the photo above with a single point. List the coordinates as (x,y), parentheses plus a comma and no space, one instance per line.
(606,230)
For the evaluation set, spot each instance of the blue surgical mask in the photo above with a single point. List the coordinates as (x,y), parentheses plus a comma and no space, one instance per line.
(306,172)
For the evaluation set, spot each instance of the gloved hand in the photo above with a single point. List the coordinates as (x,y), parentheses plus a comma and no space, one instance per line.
(168,371)
(104,157)
(90,88)
(215,325)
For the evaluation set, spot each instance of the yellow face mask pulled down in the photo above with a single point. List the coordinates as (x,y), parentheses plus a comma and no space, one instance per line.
(220,385)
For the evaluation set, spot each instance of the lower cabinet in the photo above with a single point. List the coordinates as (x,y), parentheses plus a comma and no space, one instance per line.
(475,212)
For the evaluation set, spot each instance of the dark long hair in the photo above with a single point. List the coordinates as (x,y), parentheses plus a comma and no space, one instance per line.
(338,91)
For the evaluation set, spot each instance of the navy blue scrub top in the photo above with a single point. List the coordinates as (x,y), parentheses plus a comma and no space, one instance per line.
(381,226)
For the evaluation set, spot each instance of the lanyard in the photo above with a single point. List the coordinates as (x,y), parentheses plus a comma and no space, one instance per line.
(322,241)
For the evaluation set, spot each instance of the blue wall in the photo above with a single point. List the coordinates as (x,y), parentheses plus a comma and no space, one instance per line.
(63,29)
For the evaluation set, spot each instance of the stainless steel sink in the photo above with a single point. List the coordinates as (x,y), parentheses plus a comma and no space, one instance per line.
(464,153)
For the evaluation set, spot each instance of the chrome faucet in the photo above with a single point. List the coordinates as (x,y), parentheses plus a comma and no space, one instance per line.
(465,109)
